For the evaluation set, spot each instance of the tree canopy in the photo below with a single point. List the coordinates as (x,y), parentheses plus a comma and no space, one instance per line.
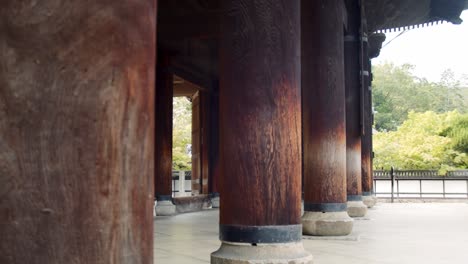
(424,141)
(396,92)
(419,124)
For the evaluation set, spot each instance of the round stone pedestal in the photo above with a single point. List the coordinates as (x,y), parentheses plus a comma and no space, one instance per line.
(369,200)
(164,208)
(240,253)
(214,200)
(357,209)
(327,223)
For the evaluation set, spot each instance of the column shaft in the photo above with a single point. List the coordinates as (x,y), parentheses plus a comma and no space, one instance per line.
(164,95)
(260,114)
(323,106)
(77,131)
(214,170)
(323,113)
(214,145)
(353,108)
(353,102)
(260,134)
(366,149)
(205,118)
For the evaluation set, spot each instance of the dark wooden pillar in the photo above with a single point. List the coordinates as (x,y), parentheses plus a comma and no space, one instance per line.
(323,106)
(196,144)
(353,101)
(214,171)
(366,146)
(260,119)
(164,95)
(205,112)
(374,46)
(77,131)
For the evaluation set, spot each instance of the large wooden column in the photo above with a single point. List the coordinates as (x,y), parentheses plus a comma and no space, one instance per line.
(323,113)
(369,199)
(196,144)
(260,133)
(77,131)
(352,47)
(163,152)
(366,147)
(214,171)
(205,107)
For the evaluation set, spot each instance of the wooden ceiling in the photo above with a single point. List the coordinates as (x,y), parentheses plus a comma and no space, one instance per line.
(184,88)
(189,30)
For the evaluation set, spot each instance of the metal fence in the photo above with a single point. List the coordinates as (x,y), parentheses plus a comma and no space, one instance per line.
(417,184)
(182,187)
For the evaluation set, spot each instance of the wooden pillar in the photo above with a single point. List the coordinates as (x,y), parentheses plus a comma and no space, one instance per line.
(77,131)
(352,45)
(214,171)
(369,198)
(366,145)
(260,129)
(374,46)
(196,144)
(205,103)
(323,113)
(164,98)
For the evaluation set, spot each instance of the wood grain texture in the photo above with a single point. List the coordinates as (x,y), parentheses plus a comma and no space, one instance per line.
(205,107)
(214,143)
(353,100)
(76,131)
(366,141)
(163,140)
(260,115)
(323,102)
(196,144)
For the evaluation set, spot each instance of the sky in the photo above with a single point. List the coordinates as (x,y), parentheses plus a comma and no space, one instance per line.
(431,49)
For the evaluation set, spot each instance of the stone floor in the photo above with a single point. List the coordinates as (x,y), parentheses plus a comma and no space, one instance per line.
(403,233)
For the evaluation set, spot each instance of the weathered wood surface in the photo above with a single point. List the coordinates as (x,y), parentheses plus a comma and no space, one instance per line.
(353,99)
(163,141)
(205,107)
(76,131)
(214,143)
(323,102)
(366,141)
(260,114)
(196,144)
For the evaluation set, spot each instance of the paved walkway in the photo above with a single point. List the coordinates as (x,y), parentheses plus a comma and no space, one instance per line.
(409,233)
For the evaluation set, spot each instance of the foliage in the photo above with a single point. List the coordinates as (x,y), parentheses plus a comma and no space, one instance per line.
(396,91)
(458,132)
(424,141)
(182,134)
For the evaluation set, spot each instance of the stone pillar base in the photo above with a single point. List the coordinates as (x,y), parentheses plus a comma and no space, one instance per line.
(215,202)
(357,209)
(327,224)
(240,253)
(369,200)
(164,208)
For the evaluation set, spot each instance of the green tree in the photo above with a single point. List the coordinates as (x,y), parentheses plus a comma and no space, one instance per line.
(458,132)
(182,133)
(396,92)
(423,141)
